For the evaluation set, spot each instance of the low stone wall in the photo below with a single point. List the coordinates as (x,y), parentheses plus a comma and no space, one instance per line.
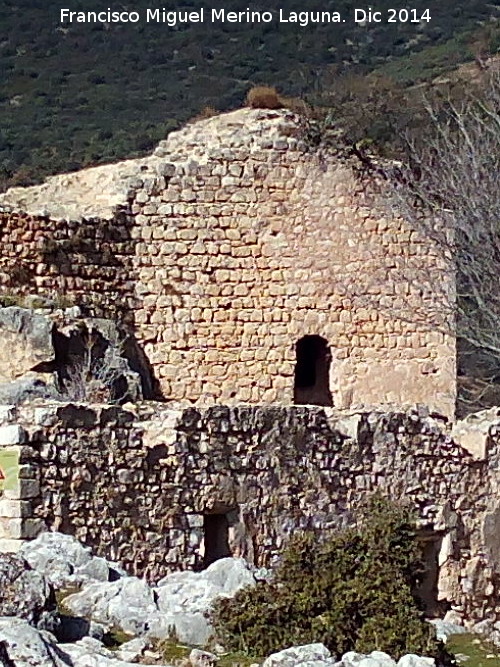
(160,489)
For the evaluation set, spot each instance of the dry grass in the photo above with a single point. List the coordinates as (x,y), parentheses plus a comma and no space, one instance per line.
(206,112)
(264,97)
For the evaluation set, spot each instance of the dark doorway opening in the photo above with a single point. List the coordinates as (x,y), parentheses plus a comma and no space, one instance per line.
(427,592)
(216,533)
(312,371)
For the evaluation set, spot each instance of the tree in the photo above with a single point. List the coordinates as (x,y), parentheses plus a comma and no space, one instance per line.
(449,190)
(354,589)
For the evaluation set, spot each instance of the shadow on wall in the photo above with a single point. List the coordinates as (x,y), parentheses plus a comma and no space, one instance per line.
(100,361)
(216,536)
(312,372)
(95,255)
(478,378)
(427,592)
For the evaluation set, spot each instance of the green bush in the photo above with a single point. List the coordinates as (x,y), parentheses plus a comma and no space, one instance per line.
(353,591)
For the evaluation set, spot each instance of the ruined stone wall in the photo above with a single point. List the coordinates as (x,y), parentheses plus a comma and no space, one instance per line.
(237,240)
(248,244)
(72,262)
(165,489)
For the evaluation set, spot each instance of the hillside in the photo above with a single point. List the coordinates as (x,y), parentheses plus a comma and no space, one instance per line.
(79,94)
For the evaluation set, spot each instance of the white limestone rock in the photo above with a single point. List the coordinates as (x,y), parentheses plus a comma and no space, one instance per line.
(380,659)
(180,601)
(25,593)
(128,604)
(191,628)
(412,660)
(22,644)
(377,659)
(445,629)
(133,650)
(297,655)
(63,560)
(27,646)
(351,659)
(317,655)
(55,555)
(229,575)
(199,658)
(12,434)
(183,598)
(97,569)
(90,652)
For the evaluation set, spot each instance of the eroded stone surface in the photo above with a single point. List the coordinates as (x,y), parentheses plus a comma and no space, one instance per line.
(25,592)
(22,644)
(296,655)
(180,602)
(61,355)
(26,342)
(64,561)
(25,645)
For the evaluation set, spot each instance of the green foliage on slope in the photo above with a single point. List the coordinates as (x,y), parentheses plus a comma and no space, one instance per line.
(80,94)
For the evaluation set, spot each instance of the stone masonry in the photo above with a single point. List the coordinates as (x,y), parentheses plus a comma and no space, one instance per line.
(226,248)
(159,489)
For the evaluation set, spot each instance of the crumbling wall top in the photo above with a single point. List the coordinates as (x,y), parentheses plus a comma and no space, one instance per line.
(97,192)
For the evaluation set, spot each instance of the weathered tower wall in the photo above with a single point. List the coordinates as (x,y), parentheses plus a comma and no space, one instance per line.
(229,245)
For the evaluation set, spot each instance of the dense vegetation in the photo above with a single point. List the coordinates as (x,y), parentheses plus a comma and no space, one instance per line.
(80,94)
(354,591)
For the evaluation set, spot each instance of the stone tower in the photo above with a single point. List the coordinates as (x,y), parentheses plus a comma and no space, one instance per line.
(253,268)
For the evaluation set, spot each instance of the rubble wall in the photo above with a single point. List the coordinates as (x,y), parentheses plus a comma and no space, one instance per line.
(87,263)
(226,247)
(159,489)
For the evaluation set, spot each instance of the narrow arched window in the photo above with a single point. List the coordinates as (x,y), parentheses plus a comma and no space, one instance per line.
(312,371)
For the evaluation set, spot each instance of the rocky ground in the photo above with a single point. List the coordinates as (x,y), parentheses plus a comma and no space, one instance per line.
(60,606)
(46,352)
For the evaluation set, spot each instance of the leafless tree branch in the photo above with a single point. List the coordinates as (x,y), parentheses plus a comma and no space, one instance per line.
(449,190)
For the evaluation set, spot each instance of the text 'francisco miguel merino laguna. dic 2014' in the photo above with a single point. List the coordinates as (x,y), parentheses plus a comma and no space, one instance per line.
(175,17)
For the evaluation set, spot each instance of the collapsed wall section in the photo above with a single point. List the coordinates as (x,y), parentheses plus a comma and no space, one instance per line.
(165,489)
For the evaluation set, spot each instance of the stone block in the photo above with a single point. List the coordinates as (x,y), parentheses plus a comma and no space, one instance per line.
(17,528)
(7,413)
(26,488)
(10,529)
(472,435)
(12,434)
(14,509)
(10,546)
(45,416)
(31,528)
